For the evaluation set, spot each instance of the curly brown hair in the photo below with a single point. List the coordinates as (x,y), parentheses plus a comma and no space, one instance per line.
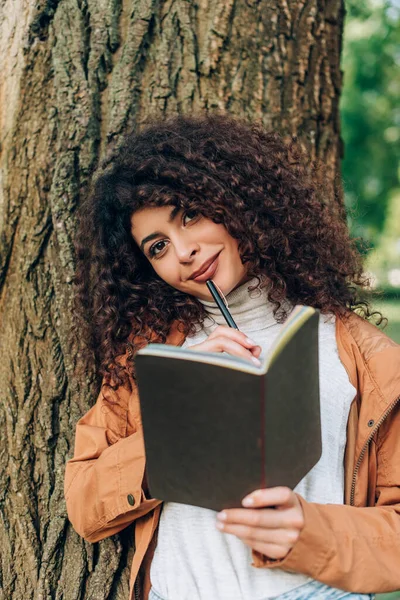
(262,188)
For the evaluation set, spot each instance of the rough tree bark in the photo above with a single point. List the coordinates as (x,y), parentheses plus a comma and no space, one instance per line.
(75,75)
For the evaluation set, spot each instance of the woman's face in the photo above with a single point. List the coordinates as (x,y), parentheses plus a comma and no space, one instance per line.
(185,249)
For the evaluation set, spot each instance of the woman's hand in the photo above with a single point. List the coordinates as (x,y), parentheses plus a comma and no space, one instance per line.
(232,341)
(271,525)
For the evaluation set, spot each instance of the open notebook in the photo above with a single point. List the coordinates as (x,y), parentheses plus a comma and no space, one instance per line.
(217,427)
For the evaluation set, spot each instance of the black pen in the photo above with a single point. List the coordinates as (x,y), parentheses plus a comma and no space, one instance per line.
(221,304)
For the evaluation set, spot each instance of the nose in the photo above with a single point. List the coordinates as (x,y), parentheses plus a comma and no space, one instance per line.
(186,250)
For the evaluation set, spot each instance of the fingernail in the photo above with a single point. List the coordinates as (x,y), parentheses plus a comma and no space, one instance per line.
(248,501)
(250,341)
(219,525)
(256,361)
(221,516)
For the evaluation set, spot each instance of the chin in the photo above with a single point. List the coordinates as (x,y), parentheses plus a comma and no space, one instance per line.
(227,285)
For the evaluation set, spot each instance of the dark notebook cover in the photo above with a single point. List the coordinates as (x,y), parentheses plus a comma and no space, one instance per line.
(215,433)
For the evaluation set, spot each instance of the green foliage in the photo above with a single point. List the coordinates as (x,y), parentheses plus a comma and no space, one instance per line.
(384,260)
(390,309)
(370,112)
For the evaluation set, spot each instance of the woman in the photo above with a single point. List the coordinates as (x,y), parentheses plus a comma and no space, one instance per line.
(213,197)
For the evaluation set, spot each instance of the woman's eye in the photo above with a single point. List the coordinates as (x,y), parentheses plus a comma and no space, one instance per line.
(156,248)
(190,215)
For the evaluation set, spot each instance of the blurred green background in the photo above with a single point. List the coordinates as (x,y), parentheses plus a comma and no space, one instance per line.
(370,115)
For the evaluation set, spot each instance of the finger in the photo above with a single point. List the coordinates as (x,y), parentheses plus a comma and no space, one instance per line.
(283,537)
(272,551)
(256,351)
(224,344)
(277,496)
(235,335)
(236,349)
(266,518)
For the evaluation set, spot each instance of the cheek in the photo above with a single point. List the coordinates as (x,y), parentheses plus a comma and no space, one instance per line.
(166,270)
(233,245)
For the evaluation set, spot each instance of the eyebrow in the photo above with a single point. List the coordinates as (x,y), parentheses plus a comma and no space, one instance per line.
(156,234)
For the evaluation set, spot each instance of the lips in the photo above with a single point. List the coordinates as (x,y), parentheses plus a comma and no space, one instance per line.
(206,270)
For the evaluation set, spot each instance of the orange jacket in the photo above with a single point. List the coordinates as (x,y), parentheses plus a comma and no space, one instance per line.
(354,546)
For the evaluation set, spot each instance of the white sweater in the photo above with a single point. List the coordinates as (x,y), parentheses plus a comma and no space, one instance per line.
(195,561)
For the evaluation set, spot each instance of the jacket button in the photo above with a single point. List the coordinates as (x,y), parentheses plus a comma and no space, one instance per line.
(371,422)
(131,500)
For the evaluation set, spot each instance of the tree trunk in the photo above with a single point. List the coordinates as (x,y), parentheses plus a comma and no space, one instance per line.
(76,74)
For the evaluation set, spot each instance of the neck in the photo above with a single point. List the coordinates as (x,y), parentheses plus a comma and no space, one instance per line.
(251,309)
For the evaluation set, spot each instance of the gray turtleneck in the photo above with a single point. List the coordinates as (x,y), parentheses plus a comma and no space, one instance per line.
(194,560)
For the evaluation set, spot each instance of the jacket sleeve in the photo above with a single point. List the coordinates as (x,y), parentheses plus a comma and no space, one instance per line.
(103,484)
(356,549)
(346,547)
